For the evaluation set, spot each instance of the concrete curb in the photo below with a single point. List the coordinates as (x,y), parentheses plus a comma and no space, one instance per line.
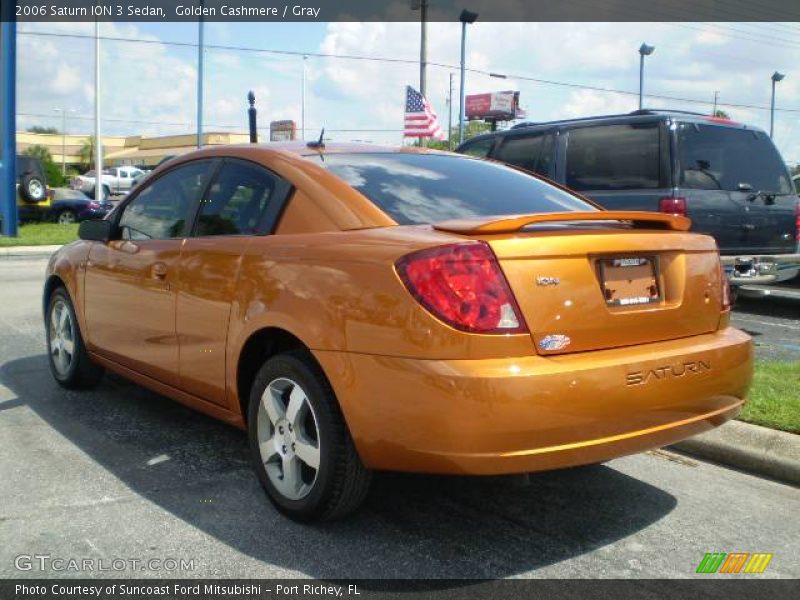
(751,448)
(27,251)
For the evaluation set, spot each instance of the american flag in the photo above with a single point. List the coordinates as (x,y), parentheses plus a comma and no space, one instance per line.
(421,119)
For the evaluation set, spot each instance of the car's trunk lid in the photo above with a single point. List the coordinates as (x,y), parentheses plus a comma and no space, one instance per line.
(588,281)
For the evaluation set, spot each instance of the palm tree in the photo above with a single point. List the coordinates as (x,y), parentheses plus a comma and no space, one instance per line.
(87,154)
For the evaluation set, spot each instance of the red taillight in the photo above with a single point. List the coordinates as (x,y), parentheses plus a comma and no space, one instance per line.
(725,288)
(797,221)
(672,206)
(462,285)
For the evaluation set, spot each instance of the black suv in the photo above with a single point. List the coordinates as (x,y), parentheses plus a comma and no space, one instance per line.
(727,177)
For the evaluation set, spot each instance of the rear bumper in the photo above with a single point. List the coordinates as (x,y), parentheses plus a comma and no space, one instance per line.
(761,269)
(515,415)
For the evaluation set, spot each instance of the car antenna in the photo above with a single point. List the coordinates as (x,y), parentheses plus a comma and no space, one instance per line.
(319,143)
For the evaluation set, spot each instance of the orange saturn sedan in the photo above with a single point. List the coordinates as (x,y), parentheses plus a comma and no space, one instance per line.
(357,308)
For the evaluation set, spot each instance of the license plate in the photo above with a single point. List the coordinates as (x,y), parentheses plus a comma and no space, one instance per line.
(629,281)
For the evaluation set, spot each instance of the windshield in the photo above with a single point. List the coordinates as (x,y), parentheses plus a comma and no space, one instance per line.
(427,188)
(724,158)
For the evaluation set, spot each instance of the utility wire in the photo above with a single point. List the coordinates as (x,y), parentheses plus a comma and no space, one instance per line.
(410,62)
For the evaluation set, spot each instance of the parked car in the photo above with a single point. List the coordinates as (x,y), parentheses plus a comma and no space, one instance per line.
(356,308)
(727,177)
(146,173)
(71,208)
(116,180)
(33,195)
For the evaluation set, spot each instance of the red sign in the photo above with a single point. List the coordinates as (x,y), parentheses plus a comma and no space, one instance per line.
(477,105)
(498,105)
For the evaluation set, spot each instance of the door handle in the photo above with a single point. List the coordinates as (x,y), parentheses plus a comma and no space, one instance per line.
(159,270)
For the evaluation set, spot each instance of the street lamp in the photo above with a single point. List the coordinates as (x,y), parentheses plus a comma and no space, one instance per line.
(644,50)
(64,112)
(467,18)
(776,77)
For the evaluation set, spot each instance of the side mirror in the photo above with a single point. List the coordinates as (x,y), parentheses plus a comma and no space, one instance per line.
(95,230)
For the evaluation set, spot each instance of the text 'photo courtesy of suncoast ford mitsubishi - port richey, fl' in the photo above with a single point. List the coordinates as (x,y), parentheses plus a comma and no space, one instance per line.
(458,299)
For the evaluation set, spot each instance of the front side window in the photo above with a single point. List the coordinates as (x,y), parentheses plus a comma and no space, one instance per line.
(531,152)
(162,209)
(615,157)
(427,188)
(714,157)
(235,201)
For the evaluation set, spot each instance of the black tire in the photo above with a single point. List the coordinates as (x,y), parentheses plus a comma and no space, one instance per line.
(81,371)
(32,188)
(66,217)
(342,481)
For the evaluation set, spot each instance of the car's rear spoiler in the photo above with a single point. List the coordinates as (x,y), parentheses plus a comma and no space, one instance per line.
(507,224)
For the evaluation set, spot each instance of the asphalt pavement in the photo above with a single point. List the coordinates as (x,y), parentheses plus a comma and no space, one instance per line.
(122,473)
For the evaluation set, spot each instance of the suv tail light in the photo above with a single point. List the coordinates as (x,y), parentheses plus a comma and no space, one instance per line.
(797,221)
(672,205)
(462,285)
(725,288)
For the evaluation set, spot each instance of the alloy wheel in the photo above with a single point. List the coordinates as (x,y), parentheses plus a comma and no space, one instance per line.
(62,337)
(288,438)
(36,189)
(66,218)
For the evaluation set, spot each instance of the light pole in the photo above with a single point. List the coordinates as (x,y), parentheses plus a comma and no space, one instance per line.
(776,77)
(450,114)
(200,69)
(63,112)
(98,143)
(422,7)
(716,97)
(644,50)
(466,18)
(303,102)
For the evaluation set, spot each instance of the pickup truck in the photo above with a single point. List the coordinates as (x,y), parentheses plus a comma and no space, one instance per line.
(727,177)
(116,180)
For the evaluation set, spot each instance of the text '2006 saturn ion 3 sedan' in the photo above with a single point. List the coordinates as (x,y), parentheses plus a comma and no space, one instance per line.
(358,309)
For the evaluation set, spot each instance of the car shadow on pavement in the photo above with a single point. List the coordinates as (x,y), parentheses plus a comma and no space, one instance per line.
(769,306)
(412,526)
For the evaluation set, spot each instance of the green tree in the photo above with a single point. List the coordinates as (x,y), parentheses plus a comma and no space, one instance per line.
(51,170)
(41,129)
(721,114)
(471,129)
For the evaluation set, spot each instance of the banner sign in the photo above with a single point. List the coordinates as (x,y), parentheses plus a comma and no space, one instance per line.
(500,106)
(282,131)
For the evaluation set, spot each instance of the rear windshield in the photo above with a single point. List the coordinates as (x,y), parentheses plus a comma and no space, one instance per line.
(713,157)
(426,188)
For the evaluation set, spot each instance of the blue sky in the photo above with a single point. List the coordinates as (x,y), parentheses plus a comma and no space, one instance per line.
(149,88)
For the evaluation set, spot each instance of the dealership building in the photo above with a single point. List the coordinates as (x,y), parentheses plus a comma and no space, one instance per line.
(123,150)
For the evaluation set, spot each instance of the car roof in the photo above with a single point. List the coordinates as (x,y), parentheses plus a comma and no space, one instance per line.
(637,116)
(301,148)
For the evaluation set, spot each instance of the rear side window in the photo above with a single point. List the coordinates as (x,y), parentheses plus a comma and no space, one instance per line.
(236,201)
(426,188)
(478,148)
(715,157)
(615,157)
(531,152)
